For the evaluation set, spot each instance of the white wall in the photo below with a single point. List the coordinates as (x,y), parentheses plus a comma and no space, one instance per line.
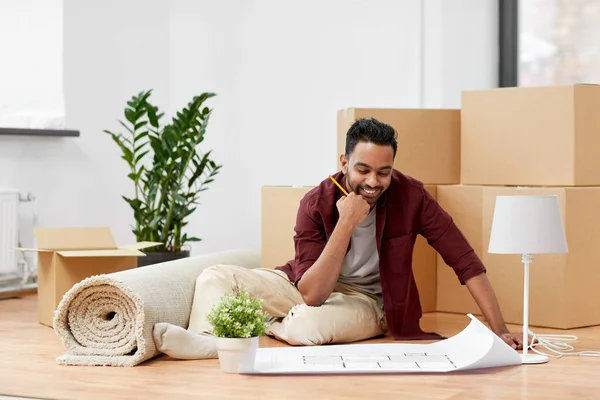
(460,49)
(281,71)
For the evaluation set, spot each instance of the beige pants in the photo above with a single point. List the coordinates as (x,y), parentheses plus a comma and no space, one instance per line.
(348,315)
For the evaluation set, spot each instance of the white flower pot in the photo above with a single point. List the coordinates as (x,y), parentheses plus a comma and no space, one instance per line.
(237,355)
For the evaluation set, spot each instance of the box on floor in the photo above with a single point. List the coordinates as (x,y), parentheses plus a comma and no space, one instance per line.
(66,256)
(428,140)
(563,287)
(279,209)
(531,136)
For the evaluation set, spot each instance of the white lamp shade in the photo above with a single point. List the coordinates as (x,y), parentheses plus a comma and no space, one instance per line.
(527,225)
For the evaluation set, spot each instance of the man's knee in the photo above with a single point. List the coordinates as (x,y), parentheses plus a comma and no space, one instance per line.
(216,273)
(305,325)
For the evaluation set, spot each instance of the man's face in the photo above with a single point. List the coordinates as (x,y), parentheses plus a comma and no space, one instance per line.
(368,170)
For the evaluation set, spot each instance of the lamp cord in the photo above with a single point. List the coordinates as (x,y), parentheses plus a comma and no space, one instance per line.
(558,346)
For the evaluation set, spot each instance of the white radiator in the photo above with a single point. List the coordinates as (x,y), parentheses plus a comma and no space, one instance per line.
(17,271)
(9,231)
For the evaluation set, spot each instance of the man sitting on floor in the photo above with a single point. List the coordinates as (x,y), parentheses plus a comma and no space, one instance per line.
(351,278)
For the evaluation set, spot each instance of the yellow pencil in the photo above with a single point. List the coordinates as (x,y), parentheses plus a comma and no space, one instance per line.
(338,185)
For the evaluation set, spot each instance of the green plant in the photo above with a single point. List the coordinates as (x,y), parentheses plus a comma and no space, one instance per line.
(167,169)
(238,315)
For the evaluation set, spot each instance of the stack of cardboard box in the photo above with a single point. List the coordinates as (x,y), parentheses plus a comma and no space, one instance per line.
(506,141)
(428,149)
(530,141)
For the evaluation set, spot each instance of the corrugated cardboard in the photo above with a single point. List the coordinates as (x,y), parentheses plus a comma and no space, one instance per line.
(464,204)
(66,256)
(425,267)
(531,136)
(279,209)
(563,287)
(428,140)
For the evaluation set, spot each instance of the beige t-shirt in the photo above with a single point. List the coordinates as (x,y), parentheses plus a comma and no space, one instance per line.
(360,267)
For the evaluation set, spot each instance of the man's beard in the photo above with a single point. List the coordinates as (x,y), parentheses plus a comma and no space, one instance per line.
(370,198)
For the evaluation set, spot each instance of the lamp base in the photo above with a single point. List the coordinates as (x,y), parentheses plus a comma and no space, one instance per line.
(534,358)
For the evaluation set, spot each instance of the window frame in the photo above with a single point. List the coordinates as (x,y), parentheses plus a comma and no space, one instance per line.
(508,43)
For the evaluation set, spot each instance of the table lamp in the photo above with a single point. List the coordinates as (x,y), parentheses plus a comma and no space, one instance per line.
(527,225)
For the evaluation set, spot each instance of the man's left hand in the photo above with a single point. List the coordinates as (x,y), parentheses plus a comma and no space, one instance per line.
(514,340)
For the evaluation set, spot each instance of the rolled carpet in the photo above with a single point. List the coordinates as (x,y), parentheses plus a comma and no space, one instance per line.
(108,319)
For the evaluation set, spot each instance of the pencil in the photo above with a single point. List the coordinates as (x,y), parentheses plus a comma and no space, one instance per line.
(338,185)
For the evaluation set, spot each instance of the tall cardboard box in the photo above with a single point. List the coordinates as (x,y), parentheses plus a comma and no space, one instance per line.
(464,204)
(279,206)
(279,209)
(428,140)
(563,287)
(66,256)
(531,136)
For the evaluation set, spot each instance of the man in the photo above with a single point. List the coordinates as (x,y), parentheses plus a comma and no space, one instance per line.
(351,278)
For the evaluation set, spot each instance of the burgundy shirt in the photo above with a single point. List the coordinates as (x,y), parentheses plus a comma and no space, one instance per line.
(404,211)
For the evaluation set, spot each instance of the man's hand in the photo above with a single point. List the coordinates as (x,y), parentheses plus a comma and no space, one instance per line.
(482,292)
(318,281)
(514,340)
(353,209)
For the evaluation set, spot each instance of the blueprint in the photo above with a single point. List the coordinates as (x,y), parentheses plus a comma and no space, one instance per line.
(475,347)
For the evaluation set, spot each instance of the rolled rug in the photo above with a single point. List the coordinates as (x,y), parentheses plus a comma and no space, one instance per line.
(108,319)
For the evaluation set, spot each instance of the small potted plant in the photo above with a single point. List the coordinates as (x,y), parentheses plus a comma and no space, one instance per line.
(238,320)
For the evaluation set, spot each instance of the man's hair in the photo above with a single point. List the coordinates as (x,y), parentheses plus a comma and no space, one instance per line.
(371,131)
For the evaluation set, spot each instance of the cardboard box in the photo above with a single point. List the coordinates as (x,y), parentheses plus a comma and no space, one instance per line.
(464,203)
(66,256)
(531,136)
(428,140)
(279,209)
(563,287)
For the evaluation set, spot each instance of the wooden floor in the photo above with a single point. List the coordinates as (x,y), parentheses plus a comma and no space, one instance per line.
(28,369)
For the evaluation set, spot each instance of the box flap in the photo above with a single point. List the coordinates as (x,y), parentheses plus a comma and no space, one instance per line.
(101,253)
(36,250)
(140,245)
(92,238)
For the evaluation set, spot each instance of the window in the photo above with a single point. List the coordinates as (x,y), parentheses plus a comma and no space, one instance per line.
(549,42)
(31,71)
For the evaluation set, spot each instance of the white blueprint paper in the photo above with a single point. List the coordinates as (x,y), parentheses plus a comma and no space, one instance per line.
(474,348)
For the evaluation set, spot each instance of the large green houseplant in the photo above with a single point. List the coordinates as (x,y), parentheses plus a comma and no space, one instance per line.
(167,170)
